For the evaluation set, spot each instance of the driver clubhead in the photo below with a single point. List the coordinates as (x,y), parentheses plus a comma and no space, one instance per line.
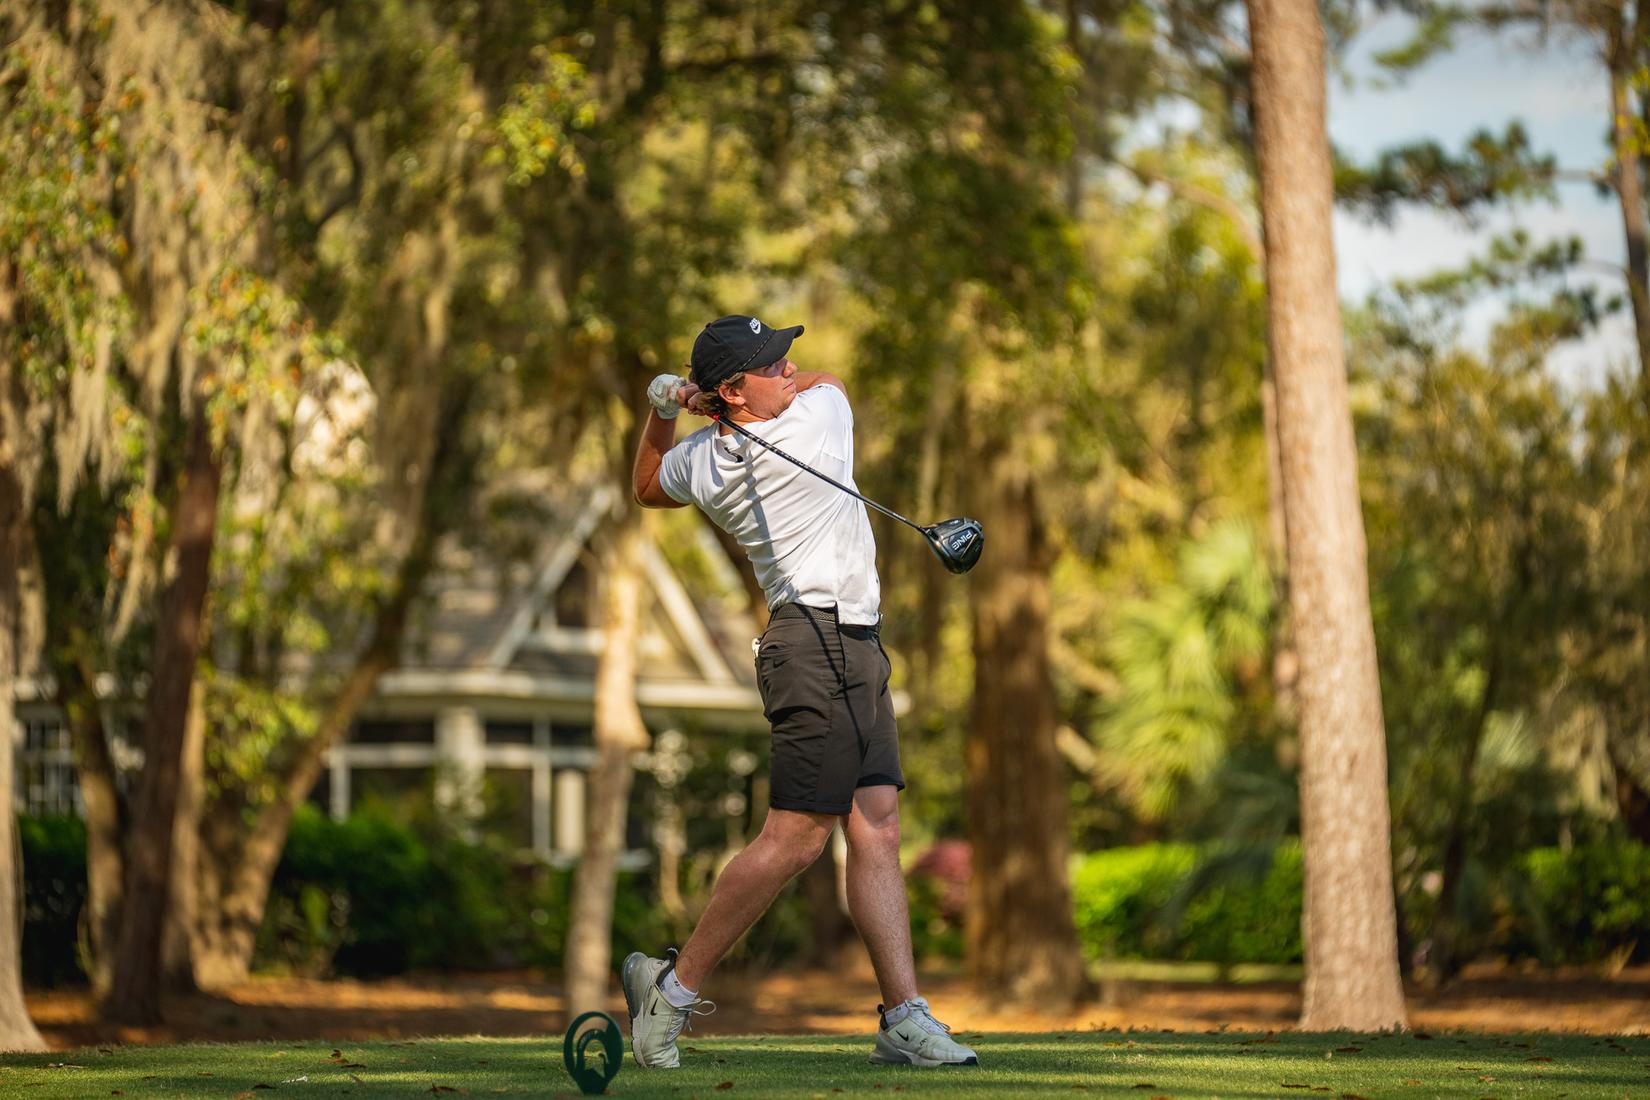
(957,542)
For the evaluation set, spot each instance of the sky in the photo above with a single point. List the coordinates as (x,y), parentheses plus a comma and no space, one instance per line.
(1559,91)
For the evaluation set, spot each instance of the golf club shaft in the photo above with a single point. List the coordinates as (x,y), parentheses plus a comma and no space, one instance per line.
(798,462)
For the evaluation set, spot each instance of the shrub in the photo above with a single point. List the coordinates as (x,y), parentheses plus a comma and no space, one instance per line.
(1589,903)
(1171,901)
(371,895)
(1119,895)
(54,892)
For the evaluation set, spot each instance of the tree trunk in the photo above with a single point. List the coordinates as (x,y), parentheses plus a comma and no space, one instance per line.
(1285,662)
(618,734)
(1632,800)
(135,992)
(17,1031)
(177,956)
(76,677)
(1348,926)
(1622,60)
(1022,944)
(829,925)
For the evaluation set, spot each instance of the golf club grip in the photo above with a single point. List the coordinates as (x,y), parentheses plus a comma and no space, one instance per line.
(824,477)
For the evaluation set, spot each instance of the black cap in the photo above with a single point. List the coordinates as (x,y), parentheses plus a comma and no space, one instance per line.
(730,345)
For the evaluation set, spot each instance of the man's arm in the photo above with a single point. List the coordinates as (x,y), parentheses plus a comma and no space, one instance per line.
(658,437)
(807,379)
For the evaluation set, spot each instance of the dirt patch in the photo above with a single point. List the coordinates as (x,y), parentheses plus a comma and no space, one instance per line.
(840,1000)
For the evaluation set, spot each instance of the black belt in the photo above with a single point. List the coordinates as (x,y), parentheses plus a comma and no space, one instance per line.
(816,614)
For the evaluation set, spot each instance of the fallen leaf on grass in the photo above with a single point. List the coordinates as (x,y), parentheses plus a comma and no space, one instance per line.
(1349,1050)
(1538,1058)
(204,1073)
(726,1085)
(1352,1096)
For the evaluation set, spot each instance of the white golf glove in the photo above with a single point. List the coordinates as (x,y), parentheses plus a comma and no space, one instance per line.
(661,394)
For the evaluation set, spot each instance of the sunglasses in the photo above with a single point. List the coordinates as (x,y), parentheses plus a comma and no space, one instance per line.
(772,370)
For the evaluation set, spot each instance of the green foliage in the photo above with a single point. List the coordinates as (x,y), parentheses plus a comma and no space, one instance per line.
(1491,171)
(1173,901)
(59,157)
(1118,893)
(1177,652)
(373,895)
(936,926)
(1589,903)
(1434,34)
(54,892)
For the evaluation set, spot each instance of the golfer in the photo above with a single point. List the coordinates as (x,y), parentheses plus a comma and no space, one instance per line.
(820,667)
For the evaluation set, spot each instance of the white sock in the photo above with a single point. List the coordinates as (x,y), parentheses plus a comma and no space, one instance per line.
(896,1014)
(679,995)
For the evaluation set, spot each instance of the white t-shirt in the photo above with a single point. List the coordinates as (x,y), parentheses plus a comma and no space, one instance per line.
(809,542)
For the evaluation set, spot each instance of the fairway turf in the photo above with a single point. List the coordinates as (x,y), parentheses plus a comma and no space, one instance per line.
(1141,1064)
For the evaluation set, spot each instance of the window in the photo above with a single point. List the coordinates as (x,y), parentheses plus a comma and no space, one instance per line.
(393,731)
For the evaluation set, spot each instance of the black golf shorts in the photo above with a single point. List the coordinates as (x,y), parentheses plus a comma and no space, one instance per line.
(824,691)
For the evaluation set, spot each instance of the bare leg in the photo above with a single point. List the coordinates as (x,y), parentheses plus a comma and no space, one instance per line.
(876,891)
(790,840)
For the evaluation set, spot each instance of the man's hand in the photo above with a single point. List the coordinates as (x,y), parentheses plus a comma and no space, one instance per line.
(696,401)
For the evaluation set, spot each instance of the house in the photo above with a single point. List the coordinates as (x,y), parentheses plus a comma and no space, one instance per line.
(496,689)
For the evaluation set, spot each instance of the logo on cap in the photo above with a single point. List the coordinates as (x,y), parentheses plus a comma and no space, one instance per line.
(756,326)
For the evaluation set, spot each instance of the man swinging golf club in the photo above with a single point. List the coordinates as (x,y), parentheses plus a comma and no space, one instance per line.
(820,667)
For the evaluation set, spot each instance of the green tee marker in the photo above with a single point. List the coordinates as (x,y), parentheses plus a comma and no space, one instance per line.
(593,1080)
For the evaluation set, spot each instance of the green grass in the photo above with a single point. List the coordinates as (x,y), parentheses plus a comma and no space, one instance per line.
(1138,1064)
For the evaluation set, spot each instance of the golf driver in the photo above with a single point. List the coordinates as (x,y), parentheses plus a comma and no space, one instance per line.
(956,542)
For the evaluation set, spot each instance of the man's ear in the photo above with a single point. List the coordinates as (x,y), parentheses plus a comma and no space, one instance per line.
(730,395)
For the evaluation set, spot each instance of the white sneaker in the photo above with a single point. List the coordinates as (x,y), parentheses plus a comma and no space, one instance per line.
(655,1023)
(918,1040)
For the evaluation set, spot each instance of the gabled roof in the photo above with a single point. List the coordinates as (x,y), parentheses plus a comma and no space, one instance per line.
(491,628)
